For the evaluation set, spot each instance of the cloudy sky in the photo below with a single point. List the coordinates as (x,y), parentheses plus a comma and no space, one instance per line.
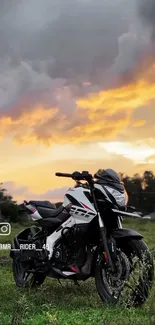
(77,91)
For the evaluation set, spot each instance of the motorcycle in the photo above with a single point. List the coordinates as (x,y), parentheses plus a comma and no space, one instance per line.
(83,239)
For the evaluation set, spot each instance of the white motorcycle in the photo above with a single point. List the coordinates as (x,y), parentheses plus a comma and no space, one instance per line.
(84,238)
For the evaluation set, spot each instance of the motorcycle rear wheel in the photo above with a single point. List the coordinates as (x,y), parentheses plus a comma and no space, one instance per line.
(130,249)
(23,278)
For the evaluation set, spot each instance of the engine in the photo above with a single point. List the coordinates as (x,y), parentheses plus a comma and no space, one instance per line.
(69,249)
(62,255)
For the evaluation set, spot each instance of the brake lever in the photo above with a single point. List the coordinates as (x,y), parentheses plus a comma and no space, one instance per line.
(76,176)
(87,176)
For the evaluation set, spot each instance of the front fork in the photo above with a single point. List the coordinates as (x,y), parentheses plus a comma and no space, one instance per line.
(104,245)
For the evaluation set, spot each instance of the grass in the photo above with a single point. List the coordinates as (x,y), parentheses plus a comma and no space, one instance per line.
(67,304)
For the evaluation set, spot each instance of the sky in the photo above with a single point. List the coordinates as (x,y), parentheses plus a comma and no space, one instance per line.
(77,91)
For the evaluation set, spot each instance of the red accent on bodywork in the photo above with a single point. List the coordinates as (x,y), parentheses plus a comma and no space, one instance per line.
(74,269)
(86,206)
(34,210)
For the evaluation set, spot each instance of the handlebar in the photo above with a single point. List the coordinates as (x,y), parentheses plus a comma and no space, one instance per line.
(63,175)
(77,176)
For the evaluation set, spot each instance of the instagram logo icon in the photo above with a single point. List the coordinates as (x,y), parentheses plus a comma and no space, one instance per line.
(5,229)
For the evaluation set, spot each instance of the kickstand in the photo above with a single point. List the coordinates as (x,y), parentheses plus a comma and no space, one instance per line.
(76,283)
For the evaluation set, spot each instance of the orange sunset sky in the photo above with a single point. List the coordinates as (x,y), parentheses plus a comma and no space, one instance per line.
(77,92)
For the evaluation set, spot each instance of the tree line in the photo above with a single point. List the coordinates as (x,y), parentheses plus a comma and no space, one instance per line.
(140,189)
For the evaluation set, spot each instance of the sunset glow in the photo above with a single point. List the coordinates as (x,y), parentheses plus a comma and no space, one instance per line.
(74,95)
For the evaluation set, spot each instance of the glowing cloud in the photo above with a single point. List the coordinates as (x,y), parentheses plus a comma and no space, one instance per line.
(138,153)
(101,116)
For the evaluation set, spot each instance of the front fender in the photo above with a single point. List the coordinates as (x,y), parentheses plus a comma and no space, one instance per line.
(126,233)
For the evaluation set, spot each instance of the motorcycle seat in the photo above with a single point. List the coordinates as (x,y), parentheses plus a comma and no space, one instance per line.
(44,204)
(49,213)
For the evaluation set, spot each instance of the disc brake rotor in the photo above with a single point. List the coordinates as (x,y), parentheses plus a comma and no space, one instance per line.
(115,282)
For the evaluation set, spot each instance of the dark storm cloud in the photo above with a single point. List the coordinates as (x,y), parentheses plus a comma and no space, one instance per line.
(146,10)
(46,45)
(68,31)
(133,48)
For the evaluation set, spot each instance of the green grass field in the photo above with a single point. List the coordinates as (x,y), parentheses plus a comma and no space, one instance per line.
(67,304)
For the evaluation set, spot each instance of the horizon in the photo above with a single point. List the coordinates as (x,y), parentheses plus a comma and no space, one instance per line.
(49,195)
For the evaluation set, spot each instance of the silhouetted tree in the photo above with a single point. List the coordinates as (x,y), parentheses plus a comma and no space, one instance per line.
(8,206)
(58,204)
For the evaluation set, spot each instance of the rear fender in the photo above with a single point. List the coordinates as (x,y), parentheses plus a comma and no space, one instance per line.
(124,233)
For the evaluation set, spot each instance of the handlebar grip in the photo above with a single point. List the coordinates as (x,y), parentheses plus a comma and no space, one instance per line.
(63,175)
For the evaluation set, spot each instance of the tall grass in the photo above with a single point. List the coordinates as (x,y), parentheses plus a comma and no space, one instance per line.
(65,303)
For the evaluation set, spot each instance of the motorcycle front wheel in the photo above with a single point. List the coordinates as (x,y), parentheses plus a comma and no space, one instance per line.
(132,280)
